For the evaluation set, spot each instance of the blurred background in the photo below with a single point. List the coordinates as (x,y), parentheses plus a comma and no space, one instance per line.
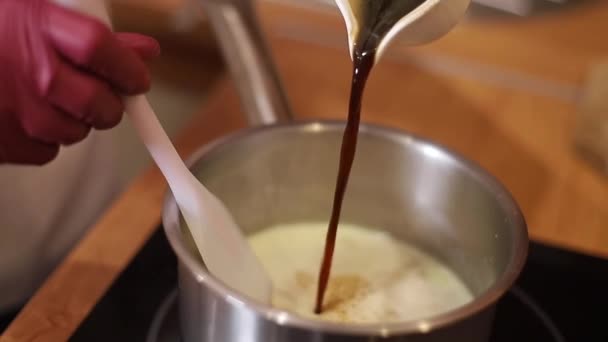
(191,63)
(521,87)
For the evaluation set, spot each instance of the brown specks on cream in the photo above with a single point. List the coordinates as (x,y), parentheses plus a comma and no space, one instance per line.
(342,292)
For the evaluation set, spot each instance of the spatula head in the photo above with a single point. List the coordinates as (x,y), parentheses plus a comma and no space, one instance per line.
(224,249)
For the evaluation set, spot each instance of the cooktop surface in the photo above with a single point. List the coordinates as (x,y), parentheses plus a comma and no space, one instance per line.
(560,296)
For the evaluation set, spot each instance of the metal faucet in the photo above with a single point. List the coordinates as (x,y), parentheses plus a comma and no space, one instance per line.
(236,27)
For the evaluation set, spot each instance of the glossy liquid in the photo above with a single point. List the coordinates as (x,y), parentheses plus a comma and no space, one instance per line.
(376,278)
(374,19)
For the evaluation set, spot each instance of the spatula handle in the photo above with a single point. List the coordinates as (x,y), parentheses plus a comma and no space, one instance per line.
(142,115)
(159,145)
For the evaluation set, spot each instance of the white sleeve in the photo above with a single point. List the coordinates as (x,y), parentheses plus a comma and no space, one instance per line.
(45,210)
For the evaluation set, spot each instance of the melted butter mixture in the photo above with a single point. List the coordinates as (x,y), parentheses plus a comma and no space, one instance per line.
(374,278)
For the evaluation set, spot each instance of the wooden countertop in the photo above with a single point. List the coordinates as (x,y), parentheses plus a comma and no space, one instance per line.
(521,135)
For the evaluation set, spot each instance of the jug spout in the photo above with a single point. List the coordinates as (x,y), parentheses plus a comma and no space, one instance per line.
(249,60)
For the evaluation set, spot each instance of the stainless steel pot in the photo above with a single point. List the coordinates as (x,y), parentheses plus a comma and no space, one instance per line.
(285,172)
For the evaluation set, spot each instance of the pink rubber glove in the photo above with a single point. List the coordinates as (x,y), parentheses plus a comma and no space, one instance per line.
(61,74)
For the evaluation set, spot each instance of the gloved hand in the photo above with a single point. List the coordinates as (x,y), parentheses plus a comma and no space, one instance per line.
(61,74)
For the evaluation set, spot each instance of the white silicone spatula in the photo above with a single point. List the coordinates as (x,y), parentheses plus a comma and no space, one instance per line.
(428,22)
(224,249)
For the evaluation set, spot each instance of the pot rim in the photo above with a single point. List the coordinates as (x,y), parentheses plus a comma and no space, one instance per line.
(519,249)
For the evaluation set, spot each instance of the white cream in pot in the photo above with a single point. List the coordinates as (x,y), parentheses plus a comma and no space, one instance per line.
(375,277)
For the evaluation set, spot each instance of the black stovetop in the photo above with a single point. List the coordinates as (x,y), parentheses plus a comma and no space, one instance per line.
(557,287)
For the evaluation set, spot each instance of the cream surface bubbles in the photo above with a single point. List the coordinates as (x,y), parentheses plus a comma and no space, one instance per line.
(374,278)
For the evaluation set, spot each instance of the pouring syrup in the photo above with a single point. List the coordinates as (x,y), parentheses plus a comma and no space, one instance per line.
(373,20)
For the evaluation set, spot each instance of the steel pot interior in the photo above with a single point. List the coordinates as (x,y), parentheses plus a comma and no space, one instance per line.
(416,190)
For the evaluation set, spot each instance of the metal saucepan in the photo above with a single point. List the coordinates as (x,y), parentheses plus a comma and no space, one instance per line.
(282,171)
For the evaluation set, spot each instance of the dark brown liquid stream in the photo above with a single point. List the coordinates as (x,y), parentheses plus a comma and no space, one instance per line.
(362,67)
(379,16)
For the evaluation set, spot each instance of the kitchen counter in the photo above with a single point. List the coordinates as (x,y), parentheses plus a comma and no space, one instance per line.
(493,91)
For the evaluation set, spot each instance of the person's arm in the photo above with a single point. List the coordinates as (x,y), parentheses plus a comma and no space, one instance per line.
(61,75)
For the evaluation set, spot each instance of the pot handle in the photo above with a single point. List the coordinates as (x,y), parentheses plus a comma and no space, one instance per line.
(241,40)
